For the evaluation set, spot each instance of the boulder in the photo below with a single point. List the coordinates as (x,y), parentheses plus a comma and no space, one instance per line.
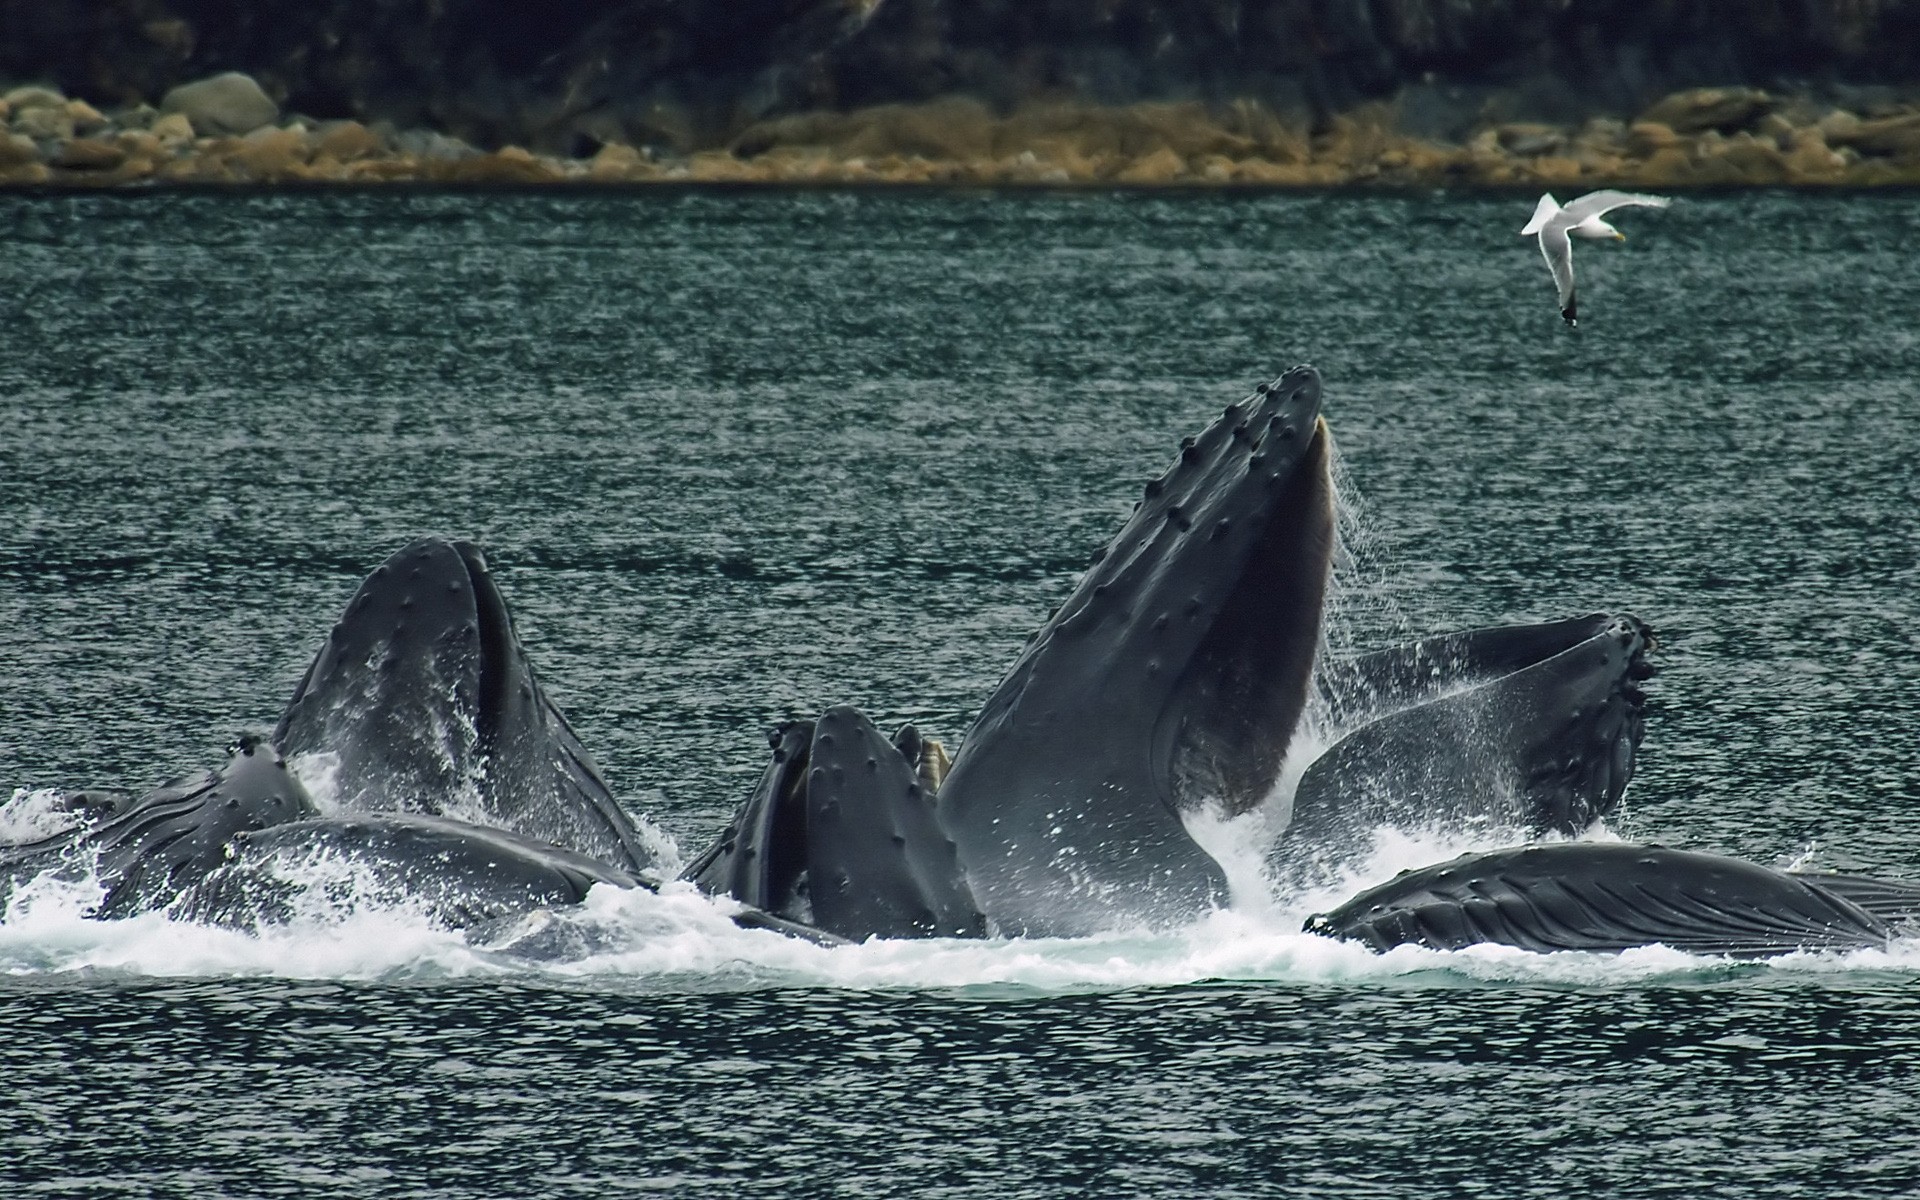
(1897,137)
(431,146)
(1647,138)
(231,103)
(1811,159)
(44,123)
(88,154)
(507,165)
(25,175)
(136,116)
(1701,109)
(1530,140)
(17,150)
(346,141)
(270,153)
(21,99)
(1161,166)
(174,130)
(86,118)
(615,163)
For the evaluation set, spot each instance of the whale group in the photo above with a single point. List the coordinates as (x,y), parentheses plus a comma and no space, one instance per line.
(1184,679)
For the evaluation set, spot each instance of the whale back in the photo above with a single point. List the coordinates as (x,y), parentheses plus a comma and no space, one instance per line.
(1171,680)
(425,701)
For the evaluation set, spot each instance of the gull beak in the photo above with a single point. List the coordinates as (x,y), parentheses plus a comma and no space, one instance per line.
(1618,236)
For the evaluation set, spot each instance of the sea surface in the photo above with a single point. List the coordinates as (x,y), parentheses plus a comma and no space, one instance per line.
(737,456)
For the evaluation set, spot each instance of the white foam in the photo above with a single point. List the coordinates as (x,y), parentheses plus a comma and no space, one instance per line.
(34,813)
(679,940)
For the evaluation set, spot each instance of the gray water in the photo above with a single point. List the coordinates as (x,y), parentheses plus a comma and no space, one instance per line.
(737,456)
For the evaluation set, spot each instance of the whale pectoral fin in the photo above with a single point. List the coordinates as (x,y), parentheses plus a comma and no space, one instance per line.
(1171,679)
(1536,726)
(878,864)
(171,837)
(1604,896)
(427,700)
(760,859)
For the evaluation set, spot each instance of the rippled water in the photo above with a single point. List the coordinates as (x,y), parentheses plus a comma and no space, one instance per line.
(738,456)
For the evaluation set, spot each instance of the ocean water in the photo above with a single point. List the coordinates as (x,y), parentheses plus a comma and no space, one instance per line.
(736,456)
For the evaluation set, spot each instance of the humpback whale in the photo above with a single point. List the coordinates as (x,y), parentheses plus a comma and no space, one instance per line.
(1615,896)
(1182,678)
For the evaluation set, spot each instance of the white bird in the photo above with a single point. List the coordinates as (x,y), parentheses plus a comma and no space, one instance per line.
(1582,218)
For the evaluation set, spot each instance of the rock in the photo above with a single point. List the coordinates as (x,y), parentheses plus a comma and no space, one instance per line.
(1555,170)
(1776,128)
(44,123)
(1758,161)
(173,130)
(1811,159)
(88,154)
(615,163)
(426,144)
(1161,166)
(17,150)
(1837,126)
(956,129)
(1696,111)
(136,116)
(25,175)
(1529,140)
(224,104)
(86,118)
(1647,138)
(1898,137)
(346,141)
(1602,136)
(269,153)
(1668,166)
(509,164)
(21,99)
(140,143)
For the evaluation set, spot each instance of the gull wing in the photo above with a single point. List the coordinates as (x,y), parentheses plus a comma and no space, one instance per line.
(1542,213)
(1594,204)
(1557,249)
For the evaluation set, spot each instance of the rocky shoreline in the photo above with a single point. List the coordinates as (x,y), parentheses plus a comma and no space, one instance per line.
(225,130)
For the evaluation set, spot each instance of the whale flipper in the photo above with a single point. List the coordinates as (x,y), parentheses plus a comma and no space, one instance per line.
(841,835)
(1171,680)
(427,702)
(1533,726)
(1607,896)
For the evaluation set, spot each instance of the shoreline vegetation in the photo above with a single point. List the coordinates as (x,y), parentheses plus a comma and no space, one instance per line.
(225,130)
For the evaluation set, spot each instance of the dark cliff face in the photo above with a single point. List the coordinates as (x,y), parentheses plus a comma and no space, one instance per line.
(560,74)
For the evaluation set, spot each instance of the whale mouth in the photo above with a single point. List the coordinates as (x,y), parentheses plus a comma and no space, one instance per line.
(427,703)
(1173,676)
(1238,707)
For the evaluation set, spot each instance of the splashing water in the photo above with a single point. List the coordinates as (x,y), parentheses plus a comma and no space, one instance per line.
(679,940)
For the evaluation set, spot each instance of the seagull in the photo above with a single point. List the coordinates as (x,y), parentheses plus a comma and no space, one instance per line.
(1581,217)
